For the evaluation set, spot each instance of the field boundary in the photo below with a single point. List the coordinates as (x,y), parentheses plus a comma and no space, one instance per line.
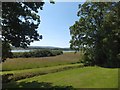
(41,71)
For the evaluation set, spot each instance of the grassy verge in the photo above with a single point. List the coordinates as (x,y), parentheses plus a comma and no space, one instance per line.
(22,74)
(30,63)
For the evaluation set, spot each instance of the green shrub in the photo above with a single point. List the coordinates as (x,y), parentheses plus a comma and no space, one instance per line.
(27,54)
(87,59)
(7,78)
(17,54)
(37,53)
(56,52)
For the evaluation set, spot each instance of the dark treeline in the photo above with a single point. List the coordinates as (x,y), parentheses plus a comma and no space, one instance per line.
(97,33)
(40,47)
(37,53)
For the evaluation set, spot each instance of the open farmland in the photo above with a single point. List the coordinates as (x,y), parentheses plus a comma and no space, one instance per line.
(30,63)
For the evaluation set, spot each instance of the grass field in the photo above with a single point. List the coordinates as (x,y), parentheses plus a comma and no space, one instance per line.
(22,74)
(59,71)
(87,77)
(30,63)
(43,69)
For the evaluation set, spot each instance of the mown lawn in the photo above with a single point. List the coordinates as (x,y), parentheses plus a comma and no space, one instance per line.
(30,63)
(43,69)
(86,77)
(22,74)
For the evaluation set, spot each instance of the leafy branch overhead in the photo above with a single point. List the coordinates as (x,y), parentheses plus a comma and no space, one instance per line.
(19,22)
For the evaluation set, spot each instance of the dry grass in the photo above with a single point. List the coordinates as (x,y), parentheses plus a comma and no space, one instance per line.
(28,63)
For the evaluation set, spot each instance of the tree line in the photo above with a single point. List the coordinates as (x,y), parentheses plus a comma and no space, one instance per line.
(36,53)
(97,33)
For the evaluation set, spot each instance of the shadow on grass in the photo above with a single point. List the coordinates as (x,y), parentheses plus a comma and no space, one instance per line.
(34,85)
(43,86)
(107,66)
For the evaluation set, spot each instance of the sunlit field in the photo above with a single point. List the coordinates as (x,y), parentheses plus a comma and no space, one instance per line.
(28,63)
(87,77)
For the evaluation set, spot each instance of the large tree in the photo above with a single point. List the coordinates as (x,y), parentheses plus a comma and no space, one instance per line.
(97,33)
(19,23)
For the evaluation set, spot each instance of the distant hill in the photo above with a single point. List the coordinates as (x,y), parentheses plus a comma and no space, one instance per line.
(40,47)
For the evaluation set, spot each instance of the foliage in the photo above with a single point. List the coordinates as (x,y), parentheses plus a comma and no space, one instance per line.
(56,52)
(6,51)
(19,23)
(37,53)
(97,33)
(6,78)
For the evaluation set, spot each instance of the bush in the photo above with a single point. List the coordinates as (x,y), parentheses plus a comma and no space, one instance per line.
(17,54)
(26,54)
(7,78)
(37,53)
(56,52)
(87,59)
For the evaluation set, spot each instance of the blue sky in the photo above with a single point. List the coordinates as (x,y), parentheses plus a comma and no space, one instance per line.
(55,22)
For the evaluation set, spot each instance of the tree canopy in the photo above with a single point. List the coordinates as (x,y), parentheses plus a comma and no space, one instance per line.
(19,23)
(97,33)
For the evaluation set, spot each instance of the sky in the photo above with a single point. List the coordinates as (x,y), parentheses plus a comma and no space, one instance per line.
(55,22)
